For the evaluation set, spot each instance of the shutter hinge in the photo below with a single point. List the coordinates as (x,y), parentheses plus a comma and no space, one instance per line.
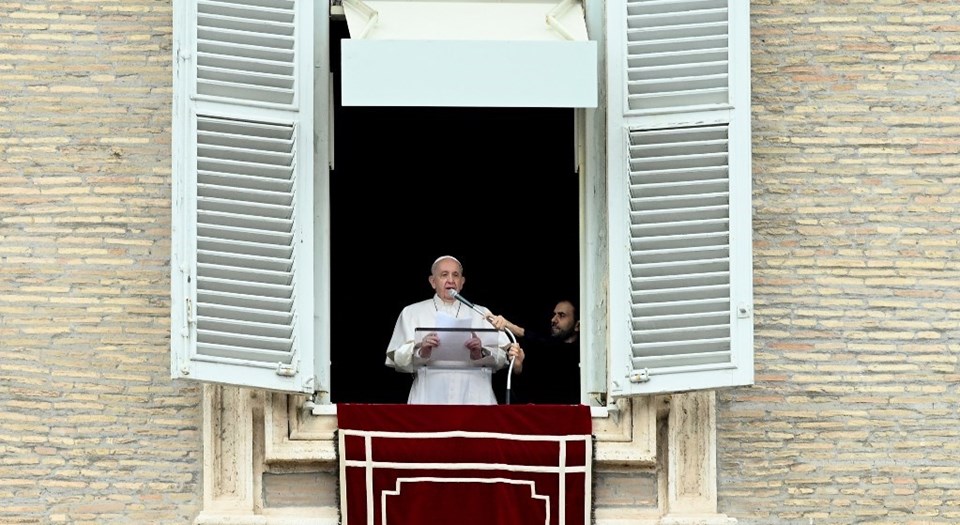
(190,319)
(640,376)
(286,370)
(185,332)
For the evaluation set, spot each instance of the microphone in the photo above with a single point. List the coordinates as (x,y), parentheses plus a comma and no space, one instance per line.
(456,295)
(453,293)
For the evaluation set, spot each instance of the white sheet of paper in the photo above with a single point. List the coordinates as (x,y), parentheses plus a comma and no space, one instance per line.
(453,343)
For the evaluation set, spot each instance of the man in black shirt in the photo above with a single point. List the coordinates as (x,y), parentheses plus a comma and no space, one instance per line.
(551,367)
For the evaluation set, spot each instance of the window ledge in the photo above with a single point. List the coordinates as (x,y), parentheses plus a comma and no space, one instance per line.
(625,432)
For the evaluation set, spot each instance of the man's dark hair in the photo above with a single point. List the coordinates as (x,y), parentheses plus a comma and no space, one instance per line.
(573,301)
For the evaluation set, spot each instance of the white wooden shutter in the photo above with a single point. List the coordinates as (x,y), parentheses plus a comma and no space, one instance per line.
(680,196)
(242,290)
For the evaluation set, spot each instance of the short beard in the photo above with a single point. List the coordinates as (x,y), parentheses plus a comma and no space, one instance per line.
(561,335)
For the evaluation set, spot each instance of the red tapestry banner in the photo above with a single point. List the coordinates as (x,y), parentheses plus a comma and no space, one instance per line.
(464,464)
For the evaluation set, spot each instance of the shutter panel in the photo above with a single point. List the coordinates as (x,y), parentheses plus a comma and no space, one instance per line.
(677,53)
(246,51)
(243,213)
(679,197)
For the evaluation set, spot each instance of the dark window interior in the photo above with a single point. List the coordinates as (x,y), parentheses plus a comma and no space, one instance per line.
(495,187)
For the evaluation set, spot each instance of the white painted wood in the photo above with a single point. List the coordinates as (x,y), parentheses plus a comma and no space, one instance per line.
(323,126)
(243,198)
(593,233)
(679,197)
(464,20)
(469,73)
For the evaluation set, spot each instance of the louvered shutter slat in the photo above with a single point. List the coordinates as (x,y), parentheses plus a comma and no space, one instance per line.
(212,298)
(674,98)
(657,307)
(655,163)
(674,70)
(252,288)
(245,221)
(667,242)
(674,344)
(245,326)
(251,79)
(210,204)
(681,320)
(702,57)
(276,198)
(251,21)
(264,137)
(692,362)
(684,286)
(249,315)
(661,35)
(242,131)
(240,180)
(679,228)
(250,57)
(689,84)
(238,169)
(281,240)
(681,214)
(249,261)
(280,9)
(674,6)
(252,153)
(253,64)
(676,189)
(678,198)
(263,240)
(678,270)
(242,251)
(244,273)
(690,336)
(685,253)
(678,176)
(687,293)
(224,348)
(239,39)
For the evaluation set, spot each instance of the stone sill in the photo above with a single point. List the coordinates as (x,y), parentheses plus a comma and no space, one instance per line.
(625,432)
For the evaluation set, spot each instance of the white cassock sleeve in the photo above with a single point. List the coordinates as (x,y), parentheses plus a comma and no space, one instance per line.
(400,353)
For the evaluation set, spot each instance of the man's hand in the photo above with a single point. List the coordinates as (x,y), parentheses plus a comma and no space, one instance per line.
(514,351)
(498,321)
(475,346)
(430,341)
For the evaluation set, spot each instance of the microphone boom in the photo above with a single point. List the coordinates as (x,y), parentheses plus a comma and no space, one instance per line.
(457,296)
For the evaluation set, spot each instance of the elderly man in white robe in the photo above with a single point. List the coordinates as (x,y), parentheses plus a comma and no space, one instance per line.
(469,382)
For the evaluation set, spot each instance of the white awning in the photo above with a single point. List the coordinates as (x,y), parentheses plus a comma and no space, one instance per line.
(514,53)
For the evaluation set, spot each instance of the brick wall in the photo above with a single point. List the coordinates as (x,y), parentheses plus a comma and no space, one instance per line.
(92,429)
(854,416)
